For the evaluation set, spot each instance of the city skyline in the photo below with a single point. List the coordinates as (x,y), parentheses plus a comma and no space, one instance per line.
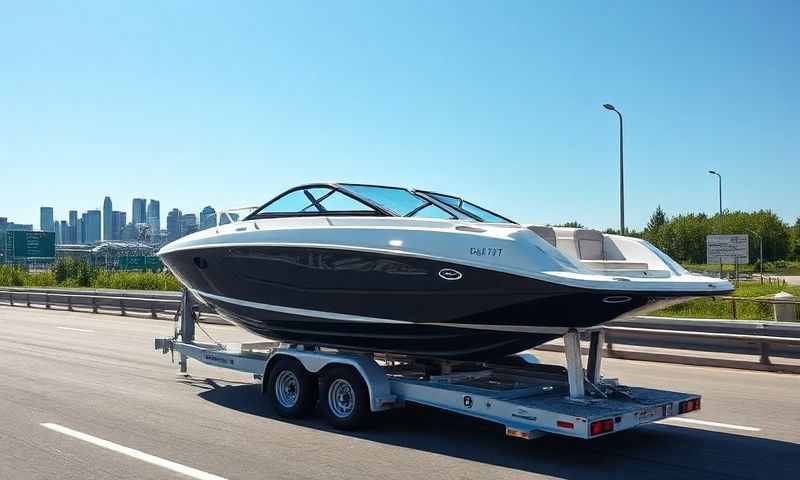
(109,224)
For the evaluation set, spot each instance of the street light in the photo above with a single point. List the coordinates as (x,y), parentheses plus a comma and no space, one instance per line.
(712,172)
(760,254)
(608,106)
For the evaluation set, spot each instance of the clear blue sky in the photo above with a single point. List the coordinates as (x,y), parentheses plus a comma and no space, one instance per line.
(228,103)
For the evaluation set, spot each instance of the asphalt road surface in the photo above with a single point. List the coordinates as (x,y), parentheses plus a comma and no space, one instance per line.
(85,396)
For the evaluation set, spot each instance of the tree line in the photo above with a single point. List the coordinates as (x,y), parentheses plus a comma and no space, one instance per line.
(683,237)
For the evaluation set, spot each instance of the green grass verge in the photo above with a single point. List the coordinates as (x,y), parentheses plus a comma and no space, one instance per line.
(711,308)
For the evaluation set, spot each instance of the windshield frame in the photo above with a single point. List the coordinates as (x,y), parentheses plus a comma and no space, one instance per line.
(461,211)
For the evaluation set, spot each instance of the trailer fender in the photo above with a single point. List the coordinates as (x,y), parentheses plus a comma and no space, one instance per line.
(381,397)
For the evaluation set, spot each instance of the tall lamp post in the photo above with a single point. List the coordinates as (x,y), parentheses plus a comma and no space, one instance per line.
(608,106)
(760,255)
(712,172)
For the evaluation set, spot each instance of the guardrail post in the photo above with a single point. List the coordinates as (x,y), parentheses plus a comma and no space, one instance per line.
(29,300)
(122,306)
(153,310)
(764,359)
(94,305)
(69,303)
(733,308)
(11,298)
(46,301)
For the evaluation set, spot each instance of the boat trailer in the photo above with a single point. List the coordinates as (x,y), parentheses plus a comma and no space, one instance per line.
(528,398)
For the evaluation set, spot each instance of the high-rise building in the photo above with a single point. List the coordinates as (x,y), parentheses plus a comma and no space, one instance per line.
(129,233)
(46,219)
(174,224)
(188,223)
(64,230)
(154,217)
(118,221)
(108,228)
(91,225)
(81,230)
(73,227)
(208,218)
(138,211)
(6,226)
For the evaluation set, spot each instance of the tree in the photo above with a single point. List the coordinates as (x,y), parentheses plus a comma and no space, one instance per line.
(572,224)
(657,220)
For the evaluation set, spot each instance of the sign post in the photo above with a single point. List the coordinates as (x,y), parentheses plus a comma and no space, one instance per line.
(728,249)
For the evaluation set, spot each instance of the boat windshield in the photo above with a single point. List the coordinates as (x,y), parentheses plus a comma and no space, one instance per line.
(469,209)
(399,201)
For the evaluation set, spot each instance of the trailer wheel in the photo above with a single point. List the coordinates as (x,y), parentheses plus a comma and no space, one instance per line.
(291,389)
(344,397)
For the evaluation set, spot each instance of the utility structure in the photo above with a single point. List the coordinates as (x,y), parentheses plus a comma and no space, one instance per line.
(712,172)
(608,106)
(760,254)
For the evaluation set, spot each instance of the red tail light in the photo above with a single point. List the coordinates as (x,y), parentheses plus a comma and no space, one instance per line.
(601,426)
(564,424)
(689,405)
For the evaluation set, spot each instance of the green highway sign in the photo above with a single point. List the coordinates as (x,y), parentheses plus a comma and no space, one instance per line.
(20,244)
(139,262)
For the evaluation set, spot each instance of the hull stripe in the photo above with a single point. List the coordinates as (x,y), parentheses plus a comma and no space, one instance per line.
(344,317)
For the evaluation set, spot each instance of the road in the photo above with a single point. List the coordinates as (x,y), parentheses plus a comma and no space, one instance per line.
(98,375)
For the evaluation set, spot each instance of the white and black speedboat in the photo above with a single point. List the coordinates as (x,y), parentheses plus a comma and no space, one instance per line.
(396,270)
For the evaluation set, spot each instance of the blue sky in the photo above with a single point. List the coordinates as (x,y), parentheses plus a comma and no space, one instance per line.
(229,103)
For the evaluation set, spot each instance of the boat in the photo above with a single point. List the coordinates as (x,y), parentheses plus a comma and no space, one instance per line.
(414,272)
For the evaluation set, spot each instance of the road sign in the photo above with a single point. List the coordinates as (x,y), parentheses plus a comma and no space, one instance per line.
(21,244)
(727,249)
(139,262)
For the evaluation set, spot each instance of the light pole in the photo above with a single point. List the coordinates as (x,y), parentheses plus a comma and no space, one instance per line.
(712,172)
(608,106)
(760,255)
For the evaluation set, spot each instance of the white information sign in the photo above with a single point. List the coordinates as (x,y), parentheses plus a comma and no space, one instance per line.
(727,249)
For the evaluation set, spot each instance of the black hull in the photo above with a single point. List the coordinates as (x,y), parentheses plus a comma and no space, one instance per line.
(388,303)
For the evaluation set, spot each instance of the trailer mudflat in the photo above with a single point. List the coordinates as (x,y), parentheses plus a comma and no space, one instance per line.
(528,398)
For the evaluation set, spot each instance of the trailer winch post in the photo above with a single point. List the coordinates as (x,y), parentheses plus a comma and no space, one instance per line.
(186,326)
(596,342)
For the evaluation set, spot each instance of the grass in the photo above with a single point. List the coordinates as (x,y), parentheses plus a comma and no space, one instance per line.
(716,308)
(780,267)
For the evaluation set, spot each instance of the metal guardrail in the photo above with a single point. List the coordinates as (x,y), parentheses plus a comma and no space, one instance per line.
(765,340)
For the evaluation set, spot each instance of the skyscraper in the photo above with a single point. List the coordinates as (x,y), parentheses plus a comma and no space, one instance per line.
(174,224)
(118,220)
(64,231)
(73,227)
(188,224)
(107,220)
(208,218)
(91,225)
(138,211)
(81,229)
(154,216)
(46,219)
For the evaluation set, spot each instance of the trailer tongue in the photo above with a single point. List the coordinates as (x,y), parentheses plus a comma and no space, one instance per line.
(529,399)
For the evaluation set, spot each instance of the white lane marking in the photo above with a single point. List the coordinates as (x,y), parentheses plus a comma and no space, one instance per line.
(710,424)
(145,457)
(76,329)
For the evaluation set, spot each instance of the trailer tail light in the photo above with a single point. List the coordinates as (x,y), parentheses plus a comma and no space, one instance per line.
(601,426)
(689,405)
(563,424)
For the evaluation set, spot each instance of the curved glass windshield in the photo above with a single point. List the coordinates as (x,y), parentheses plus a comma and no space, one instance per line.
(315,200)
(469,209)
(399,201)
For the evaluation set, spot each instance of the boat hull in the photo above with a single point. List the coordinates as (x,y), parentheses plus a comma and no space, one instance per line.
(384,302)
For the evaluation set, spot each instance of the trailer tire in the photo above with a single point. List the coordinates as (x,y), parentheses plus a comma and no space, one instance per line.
(344,397)
(291,389)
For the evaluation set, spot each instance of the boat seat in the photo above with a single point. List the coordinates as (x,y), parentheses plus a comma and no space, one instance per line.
(547,233)
(589,244)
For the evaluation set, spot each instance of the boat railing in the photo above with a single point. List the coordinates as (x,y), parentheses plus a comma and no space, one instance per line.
(233,215)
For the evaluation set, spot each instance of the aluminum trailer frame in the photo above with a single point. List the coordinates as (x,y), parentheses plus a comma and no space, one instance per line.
(528,400)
